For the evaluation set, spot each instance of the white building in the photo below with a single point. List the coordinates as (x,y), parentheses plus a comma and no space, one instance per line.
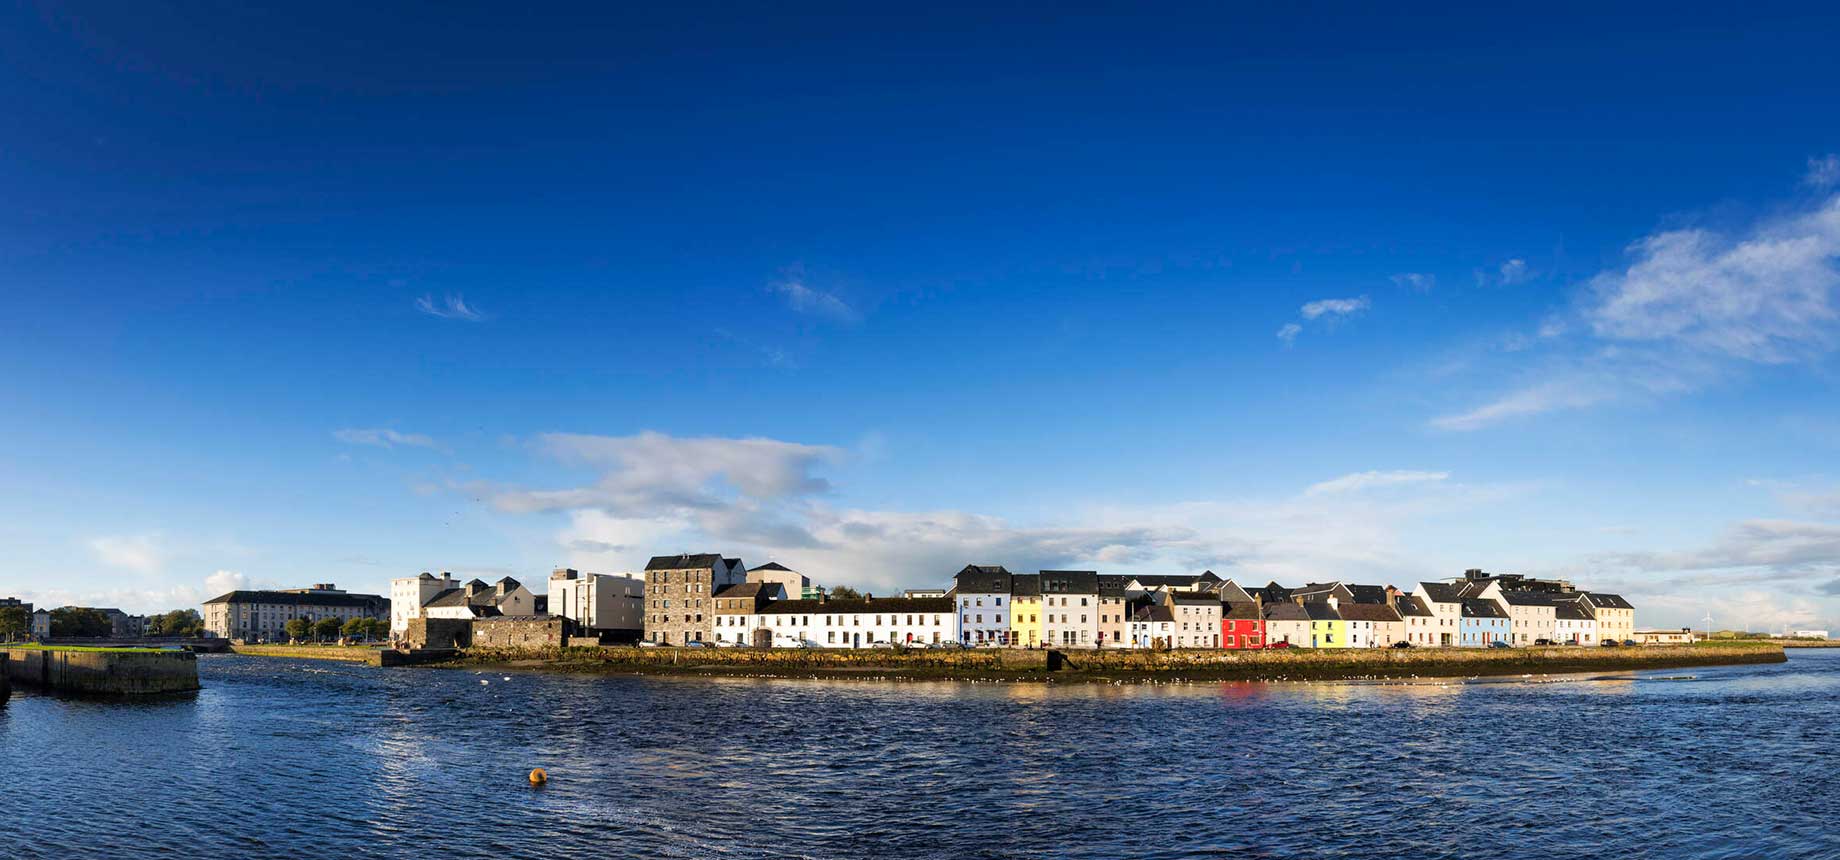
(1196,616)
(1532,616)
(1069,608)
(982,592)
(1808,634)
(906,621)
(41,624)
(1445,600)
(1153,625)
(1573,623)
(599,603)
(263,615)
(407,595)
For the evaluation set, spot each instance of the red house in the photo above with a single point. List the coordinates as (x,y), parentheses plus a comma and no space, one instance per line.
(1242,621)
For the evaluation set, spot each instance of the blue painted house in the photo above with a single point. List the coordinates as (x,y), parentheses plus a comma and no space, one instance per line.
(1483,621)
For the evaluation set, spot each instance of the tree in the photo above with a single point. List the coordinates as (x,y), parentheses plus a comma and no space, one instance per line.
(326,628)
(76,621)
(15,623)
(356,628)
(844,592)
(379,628)
(298,628)
(179,622)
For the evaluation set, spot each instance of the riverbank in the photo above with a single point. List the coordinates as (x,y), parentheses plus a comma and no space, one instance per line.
(339,653)
(1116,666)
(101,671)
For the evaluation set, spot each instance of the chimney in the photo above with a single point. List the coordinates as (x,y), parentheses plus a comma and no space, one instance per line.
(1392,595)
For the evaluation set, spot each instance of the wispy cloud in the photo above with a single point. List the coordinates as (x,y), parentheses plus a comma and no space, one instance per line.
(1288,333)
(1418,281)
(1515,271)
(145,553)
(806,299)
(382,437)
(1823,172)
(451,307)
(1359,481)
(1692,307)
(1334,307)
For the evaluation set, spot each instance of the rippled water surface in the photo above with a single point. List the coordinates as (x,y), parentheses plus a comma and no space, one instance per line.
(297,759)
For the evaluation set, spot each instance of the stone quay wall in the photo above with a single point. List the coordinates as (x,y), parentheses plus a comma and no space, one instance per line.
(103,672)
(519,632)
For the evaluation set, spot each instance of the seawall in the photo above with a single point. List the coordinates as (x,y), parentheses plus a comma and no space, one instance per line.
(370,656)
(1197,665)
(102,671)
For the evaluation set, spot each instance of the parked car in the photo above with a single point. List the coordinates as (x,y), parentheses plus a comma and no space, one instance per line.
(647,643)
(949,643)
(1630,642)
(1499,644)
(1543,642)
(1279,644)
(1402,644)
(886,645)
(699,645)
(1608,643)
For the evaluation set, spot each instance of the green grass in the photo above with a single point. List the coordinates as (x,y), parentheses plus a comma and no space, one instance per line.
(40,646)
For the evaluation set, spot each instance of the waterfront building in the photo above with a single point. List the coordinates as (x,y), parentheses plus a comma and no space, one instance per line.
(1676,636)
(981,591)
(598,604)
(1069,608)
(865,623)
(475,599)
(263,615)
(1532,615)
(1140,584)
(1321,591)
(1288,623)
(1153,625)
(1025,624)
(1242,620)
(1420,624)
(1483,622)
(735,608)
(409,593)
(41,624)
(678,590)
(1197,618)
(1445,600)
(1616,618)
(1372,625)
(1573,623)
(797,586)
(1808,634)
(1114,602)
(1327,629)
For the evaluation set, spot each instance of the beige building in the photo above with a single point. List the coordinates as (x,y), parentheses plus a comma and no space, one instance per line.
(797,586)
(1372,625)
(678,594)
(1197,619)
(1532,616)
(1616,618)
(1679,636)
(599,604)
(1113,606)
(263,615)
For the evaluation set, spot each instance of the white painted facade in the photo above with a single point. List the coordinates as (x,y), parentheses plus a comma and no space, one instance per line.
(407,595)
(598,602)
(818,628)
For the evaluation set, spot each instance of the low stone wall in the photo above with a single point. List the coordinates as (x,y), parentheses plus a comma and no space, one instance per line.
(337,653)
(971,660)
(519,632)
(439,633)
(103,672)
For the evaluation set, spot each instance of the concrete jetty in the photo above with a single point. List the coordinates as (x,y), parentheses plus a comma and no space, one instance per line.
(102,671)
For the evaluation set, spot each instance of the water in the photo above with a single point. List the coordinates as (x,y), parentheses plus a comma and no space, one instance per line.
(298,759)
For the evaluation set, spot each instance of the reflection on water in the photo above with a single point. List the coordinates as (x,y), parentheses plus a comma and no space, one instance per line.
(280,758)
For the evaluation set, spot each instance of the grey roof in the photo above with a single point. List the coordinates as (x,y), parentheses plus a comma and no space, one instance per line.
(700,561)
(292,598)
(447,597)
(1025,584)
(772,565)
(1572,610)
(1442,592)
(982,579)
(1368,593)
(1320,610)
(1476,607)
(1408,604)
(1369,612)
(1154,613)
(1154,580)
(744,590)
(1285,610)
(1113,585)
(1529,598)
(1069,582)
(1184,599)
(1607,601)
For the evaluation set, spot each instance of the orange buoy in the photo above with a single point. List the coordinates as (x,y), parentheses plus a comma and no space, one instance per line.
(538,777)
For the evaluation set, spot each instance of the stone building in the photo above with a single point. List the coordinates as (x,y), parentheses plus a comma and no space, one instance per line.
(678,594)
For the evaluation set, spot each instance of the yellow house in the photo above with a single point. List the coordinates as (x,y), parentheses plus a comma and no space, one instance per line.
(1025,624)
(1327,629)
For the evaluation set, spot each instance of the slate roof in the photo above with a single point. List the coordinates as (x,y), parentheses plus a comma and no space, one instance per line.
(1572,610)
(699,561)
(1408,604)
(1069,582)
(1529,598)
(772,565)
(1369,612)
(447,597)
(1368,593)
(1607,601)
(1442,592)
(1476,607)
(297,599)
(867,604)
(1024,584)
(1320,610)
(1154,613)
(982,579)
(1113,586)
(744,590)
(1285,610)
(1186,599)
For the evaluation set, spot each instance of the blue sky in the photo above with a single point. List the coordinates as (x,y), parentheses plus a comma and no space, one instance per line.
(343,294)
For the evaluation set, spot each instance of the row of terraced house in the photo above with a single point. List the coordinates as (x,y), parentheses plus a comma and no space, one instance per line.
(715,600)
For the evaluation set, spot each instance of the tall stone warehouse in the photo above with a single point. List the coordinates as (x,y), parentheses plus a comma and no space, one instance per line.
(678,608)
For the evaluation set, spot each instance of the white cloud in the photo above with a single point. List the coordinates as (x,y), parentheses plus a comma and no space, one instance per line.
(1515,271)
(382,437)
(451,307)
(1358,481)
(808,300)
(1288,333)
(1335,307)
(1419,281)
(224,581)
(139,553)
(1535,400)
(1823,172)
